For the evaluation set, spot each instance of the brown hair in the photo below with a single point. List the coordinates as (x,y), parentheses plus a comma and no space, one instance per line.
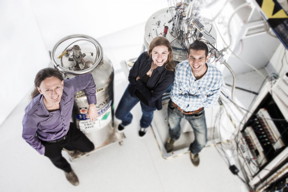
(158,41)
(42,75)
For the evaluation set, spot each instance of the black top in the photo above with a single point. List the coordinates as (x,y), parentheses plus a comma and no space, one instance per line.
(149,90)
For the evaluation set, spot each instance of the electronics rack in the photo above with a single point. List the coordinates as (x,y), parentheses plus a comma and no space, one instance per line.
(263,142)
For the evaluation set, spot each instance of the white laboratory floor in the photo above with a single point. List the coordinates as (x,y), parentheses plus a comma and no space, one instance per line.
(137,165)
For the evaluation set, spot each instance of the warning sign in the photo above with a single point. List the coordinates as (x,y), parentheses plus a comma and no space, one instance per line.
(272,9)
(276,17)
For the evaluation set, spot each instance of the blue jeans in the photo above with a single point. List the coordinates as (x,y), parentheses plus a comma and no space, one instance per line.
(126,104)
(197,122)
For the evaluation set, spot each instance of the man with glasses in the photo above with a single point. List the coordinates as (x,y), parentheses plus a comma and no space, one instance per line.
(47,124)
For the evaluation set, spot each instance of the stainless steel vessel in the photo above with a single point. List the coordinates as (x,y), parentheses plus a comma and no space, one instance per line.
(79,54)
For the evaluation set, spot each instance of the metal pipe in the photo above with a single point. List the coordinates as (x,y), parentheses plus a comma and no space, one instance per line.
(98,59)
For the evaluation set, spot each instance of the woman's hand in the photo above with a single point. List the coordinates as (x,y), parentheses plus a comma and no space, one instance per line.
(92,112)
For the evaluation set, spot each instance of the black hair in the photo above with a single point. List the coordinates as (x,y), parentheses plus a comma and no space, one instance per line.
(199,45)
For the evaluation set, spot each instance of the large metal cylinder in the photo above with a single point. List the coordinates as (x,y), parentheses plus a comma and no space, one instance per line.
(78,54)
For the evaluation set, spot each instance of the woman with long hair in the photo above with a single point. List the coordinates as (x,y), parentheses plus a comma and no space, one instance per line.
(149,78)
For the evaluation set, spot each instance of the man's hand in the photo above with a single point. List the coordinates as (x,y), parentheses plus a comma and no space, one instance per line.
(92,112)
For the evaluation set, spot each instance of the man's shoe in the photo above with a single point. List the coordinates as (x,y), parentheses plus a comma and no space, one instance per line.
(120,127)
(195,159)
(72,178)
(76,154)
(142,131)
(169,145)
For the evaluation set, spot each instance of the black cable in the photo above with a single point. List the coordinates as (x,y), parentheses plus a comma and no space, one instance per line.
(243,89)
(227,97)
(233,169)
(220,150)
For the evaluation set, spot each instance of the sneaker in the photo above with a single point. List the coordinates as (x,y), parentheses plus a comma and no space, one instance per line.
(195,159)
(120,127)
(72,178)
(169,145)
(142,132)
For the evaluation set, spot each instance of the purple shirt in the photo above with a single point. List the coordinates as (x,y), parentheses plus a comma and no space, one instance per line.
(40,124)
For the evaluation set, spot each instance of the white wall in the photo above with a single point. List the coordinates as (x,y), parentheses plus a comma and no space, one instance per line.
(22,53)
(30,29)
(96,18)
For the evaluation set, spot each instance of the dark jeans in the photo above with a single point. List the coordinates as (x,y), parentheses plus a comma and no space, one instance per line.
(75,140)
(126,104)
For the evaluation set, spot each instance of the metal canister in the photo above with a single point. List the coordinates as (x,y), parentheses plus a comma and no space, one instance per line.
(79,54)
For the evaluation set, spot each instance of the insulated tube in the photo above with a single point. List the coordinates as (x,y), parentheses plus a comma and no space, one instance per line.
(233,79)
